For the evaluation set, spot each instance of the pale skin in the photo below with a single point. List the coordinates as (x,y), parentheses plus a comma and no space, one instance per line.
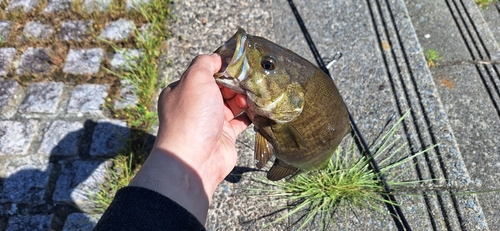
(195,146)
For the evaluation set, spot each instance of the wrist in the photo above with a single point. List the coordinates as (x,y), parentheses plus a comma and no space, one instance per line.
(172,177)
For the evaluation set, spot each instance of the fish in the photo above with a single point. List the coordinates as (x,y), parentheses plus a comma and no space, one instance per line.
(298,113)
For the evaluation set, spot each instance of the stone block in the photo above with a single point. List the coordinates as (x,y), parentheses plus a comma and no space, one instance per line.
(75,30)
(11,94)
(42,98)
(87,98)
(62,138)
(35,61)
(25,179)
(6,57)
(136,4)
(16,136)
(37,30)
(128,96)
(5,27)
(80,221)
(30,222)
(83,61)
(57,5)
(96,5)
(109,137)
(78,181)
(126,59)
(118,30)
(25,5)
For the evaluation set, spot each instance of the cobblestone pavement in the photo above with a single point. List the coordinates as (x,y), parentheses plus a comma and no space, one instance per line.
(56,139)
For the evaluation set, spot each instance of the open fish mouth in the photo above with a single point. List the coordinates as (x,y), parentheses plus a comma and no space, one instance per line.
(234,67)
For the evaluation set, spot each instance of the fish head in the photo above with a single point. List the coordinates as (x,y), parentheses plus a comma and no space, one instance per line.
(259,68)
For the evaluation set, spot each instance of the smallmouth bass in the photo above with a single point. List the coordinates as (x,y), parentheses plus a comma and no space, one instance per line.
(297,111)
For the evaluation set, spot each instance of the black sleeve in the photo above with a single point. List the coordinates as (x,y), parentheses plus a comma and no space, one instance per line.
(135,208)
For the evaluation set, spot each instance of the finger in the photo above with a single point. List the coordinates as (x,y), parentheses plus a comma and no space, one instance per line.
(227,93)
(232,104)
(241,100)
(171,86)
(203,66)
(240,123)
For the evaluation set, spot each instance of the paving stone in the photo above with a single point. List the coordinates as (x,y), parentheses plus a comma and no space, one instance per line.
(87,98)
(5,27)
(118,30)
(80,221)
(83,61)
(6,57)
(42,98)
(16,136)
(126,59)
(32,223)
(37,30)
(79,180)
(136,4)
(62,138)
(128,96)
(25,179)
(109,137)
(35,61)
(11,94)
(96,5)
(26,5)
(75,30)
(57,5)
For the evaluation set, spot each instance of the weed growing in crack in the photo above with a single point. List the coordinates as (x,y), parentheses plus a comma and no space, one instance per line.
(432,56)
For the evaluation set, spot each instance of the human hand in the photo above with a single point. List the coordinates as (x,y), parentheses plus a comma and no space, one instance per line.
(196,138)
(197,119)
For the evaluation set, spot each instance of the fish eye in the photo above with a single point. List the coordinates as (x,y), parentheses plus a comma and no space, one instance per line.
(268,63)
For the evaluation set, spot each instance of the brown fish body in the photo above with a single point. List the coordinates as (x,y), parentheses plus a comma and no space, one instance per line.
(296,109)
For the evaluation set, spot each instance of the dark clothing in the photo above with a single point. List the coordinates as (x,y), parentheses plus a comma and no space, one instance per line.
(135,208)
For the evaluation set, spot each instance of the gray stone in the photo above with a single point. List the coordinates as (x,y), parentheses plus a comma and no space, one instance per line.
(78,181)
(87,98)
(126,59)
(118,30)
(83,61)
(80,221)
(62,138)
(110,136)
(42,98)
(136,4)
(75,30)
(25,179)
(37,30)
(6,57)
(57,5)
(11,94)
(96,5)
(35,61)
(31,222)
(128,96)
(25,5)
(5,27)
(16,136)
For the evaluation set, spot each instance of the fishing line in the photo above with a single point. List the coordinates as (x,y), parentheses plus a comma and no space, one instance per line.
(394,210)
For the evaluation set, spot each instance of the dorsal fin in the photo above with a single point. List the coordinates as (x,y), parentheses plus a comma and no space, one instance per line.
(263,150)
(280,170)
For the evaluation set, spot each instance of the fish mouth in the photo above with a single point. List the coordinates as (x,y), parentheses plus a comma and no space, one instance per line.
(234,67)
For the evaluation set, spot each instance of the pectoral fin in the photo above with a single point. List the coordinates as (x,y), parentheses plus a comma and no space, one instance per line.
(288,136)
(263,150)
(280,170)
